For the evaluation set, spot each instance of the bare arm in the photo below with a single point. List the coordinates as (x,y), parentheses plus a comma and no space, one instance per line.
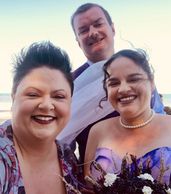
(91,146)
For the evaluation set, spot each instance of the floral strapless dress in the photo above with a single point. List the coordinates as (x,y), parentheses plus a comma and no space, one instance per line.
(111,162)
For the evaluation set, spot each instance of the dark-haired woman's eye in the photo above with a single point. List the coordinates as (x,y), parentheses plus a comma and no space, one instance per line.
(136,80)
(113,83)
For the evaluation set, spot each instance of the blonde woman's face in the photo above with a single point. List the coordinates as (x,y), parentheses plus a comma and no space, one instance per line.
(41,104)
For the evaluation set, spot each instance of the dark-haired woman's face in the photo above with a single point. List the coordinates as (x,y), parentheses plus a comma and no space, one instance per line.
(41,104)
(129,89)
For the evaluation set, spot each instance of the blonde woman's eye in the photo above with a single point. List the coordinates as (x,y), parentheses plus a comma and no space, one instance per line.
(32,94)
(59,97)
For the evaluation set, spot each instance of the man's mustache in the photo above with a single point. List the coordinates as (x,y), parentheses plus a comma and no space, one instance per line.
(94,39)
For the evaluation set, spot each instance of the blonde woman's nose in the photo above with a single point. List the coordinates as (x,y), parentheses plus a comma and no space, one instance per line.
(46,104)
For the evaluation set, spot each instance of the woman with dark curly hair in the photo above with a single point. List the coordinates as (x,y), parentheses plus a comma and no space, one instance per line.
(138,131)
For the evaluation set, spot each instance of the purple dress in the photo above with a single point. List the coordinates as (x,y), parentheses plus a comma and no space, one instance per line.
(111,162)
(11,180)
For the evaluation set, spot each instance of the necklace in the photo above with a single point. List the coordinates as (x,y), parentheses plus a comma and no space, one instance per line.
(139,125)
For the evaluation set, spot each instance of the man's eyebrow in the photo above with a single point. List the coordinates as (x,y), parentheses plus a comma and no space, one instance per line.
(82,27)
(94,22)
(99,19)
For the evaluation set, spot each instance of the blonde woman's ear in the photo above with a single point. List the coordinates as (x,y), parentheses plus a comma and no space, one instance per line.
(12,97)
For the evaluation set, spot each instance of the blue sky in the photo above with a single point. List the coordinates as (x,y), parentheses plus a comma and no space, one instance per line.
(147,24)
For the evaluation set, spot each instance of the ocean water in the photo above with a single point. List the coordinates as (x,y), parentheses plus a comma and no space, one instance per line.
(5,107)
(5,104)
(167,99)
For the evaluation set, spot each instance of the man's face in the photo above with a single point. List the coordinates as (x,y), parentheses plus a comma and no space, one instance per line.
(94,34)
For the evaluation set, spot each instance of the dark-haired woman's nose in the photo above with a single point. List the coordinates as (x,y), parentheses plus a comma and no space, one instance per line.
(124,87)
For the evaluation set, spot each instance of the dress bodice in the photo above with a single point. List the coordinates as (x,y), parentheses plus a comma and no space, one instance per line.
(111,162)
(11,180)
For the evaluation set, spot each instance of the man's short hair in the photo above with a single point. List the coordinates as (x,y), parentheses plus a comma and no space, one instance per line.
(83,8)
